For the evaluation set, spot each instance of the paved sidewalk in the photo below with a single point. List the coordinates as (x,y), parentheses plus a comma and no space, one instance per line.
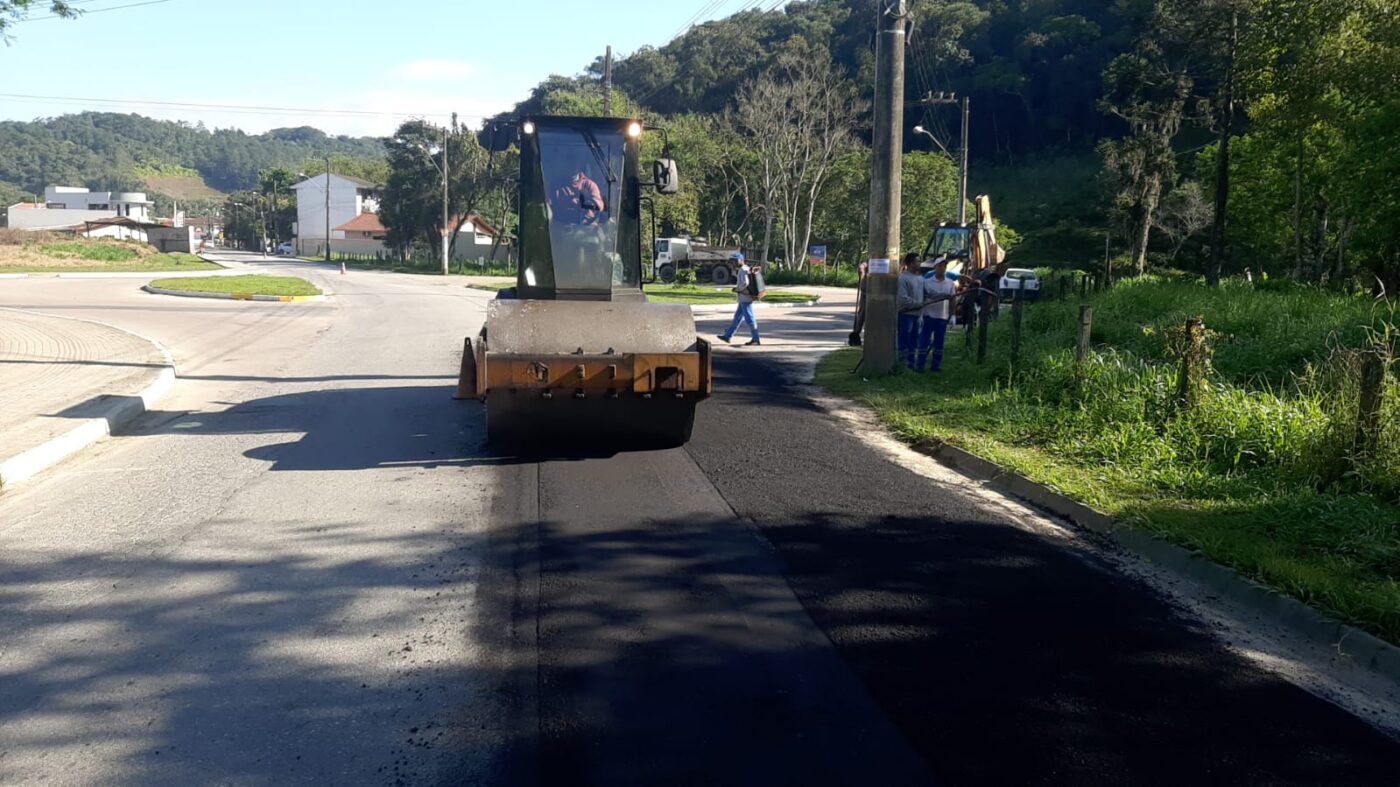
(55,372)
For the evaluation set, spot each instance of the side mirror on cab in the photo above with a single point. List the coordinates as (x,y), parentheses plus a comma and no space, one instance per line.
(665,176)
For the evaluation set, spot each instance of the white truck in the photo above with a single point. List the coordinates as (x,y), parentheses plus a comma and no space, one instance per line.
(710,263)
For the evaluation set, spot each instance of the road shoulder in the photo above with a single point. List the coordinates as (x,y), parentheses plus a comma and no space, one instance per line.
(79,381)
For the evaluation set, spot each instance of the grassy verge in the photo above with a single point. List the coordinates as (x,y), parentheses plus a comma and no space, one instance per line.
(694,295)
(1258,474)
(154,263)
(425,266)
(252,285)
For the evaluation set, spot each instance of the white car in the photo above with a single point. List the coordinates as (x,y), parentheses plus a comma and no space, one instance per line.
(1020,283)
(286,248)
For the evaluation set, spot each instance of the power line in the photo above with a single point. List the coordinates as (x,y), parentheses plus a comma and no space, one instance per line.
(231,108)
(705,8)
(95,10)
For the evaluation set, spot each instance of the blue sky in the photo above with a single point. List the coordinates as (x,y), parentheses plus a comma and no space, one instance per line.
(403,57)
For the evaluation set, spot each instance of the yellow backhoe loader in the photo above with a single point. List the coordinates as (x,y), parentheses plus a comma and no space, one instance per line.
(970,247)
(575,351)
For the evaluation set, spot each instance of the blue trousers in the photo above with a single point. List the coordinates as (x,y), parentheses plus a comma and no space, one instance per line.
(931,338)
(908,338)
(743,314)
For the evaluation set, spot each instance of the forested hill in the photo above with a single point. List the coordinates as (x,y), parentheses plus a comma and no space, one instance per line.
(1034,70)
(1210,135)
(114,151)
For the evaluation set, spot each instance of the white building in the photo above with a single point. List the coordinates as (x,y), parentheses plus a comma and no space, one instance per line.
(67,208)
(130,204)
(347,198)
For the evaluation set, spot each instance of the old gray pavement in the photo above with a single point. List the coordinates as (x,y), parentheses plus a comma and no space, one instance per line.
(54,370)
(270,578)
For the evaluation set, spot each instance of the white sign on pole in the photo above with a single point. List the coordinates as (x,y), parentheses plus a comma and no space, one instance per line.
(879,266)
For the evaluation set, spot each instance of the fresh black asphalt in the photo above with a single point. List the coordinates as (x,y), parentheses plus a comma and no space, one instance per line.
(779,603)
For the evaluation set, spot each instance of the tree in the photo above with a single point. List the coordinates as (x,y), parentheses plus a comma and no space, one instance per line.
(1147,89)
(411,209)
(12,11)
(800,117)
(1184,213)
(930,195)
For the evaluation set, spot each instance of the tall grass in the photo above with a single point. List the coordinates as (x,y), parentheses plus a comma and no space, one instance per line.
(89,250)
(1259,472)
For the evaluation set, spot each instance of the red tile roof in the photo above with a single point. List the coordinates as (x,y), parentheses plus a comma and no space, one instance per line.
(369,222)
(365,222)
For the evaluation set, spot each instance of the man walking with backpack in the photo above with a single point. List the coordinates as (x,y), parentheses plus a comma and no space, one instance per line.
(749,286)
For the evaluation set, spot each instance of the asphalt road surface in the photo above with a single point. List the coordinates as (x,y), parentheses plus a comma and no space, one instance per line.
(307,567)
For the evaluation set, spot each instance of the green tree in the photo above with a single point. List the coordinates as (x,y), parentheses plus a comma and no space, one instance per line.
(12,11)
(412,205)
(800,116)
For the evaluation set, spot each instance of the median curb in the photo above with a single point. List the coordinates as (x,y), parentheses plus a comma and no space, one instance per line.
(235,296)
(1353,647)
(88,431)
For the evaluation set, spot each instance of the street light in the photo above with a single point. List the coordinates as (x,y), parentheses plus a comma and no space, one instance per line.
(936,141)
(236,206)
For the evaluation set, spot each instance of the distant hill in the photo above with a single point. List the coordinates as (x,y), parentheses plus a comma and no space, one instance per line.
(110,151)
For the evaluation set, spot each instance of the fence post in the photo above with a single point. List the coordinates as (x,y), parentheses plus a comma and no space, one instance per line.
(1185,385)
(1086,324)
(1368,417)
(1016,308)
(1084,286)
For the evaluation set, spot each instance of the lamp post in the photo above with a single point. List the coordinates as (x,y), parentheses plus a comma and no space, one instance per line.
(328,208)
(961,158)
(236,206)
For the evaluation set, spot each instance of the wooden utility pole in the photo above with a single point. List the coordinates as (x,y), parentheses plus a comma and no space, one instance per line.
(887,154)
(607,83)
(328,208)
(962,165)
(446,220)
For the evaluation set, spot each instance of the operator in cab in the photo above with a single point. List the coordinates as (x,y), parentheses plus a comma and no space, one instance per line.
(579,201)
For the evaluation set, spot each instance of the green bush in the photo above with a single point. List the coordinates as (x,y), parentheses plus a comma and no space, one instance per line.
(824,276)
(685,277)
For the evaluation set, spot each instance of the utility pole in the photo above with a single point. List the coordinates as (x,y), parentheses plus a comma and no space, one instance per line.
(607,83)
(446,229)
(930,99)
(962,166)
(328,208)
(887,159)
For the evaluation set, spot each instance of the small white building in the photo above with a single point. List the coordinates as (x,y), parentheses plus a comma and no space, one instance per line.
(128,204)
(345,196)
(69,207)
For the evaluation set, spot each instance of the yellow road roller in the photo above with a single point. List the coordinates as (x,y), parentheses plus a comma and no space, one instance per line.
(574,351)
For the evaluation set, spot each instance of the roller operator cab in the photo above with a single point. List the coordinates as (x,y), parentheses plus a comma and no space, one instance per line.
(575,351)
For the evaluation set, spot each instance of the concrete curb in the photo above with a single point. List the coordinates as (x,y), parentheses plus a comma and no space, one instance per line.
(236,296)
(126,275)
(29,463)
(729,307)
(1362,650)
